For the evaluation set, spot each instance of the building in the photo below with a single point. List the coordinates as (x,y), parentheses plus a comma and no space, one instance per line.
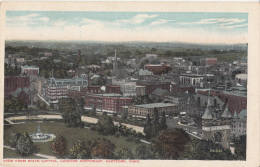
(208,61)
(140,90)
(84,90)
(144,109)
(216,126)
(179,99)
(47,54)
(30,70)
(107,102)
(182,88)
(194,80)
(17,86)
(128,89)
(150,86)
(158,69)
(56,89)
(241,79)
(203,98)
(93,68)
(113,89)
(236,100)
(144,74)
(20,60)
(239,123)
(158,95)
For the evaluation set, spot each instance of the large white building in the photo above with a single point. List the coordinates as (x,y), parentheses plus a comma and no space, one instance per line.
(191,80)
(58,88)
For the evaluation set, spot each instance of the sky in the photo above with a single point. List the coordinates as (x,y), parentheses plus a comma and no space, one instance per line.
(206,28)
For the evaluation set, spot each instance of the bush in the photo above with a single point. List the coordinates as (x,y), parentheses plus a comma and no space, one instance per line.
(79,150)
(105,125)
(58,146)
(103,148)
(124,153)
(24,145)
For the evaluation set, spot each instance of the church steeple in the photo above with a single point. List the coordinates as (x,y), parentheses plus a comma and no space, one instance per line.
(208,114)
(226,113)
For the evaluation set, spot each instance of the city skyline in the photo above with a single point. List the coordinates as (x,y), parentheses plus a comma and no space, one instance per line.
(205,28)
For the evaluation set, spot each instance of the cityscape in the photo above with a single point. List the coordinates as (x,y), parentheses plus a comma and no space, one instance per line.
(122,97)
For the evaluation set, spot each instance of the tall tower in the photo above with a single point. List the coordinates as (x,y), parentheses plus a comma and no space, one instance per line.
(115,65)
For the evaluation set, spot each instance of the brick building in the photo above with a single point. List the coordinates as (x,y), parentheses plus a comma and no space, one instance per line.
(56,89)
(158,69)
(113,89)
(17,86)
(83,91)
(108,102)
(144,109)
(208,61)
(235,100)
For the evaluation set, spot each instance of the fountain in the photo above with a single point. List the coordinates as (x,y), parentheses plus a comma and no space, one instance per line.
(41,137)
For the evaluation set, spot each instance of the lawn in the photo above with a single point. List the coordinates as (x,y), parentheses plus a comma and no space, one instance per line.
(71,135)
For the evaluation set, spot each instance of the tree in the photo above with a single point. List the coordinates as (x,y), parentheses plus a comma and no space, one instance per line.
(70,112)
(148,127)
(79,150)
(143,152)
(105,125)
(81,104)
(13,104)
(103,149)
(13,139)
(124,115)
(240,147)
(58,146)
(155,123)
(170,144)
(124,153)
(93,111)
(24,145)
(163,124)
(207,150)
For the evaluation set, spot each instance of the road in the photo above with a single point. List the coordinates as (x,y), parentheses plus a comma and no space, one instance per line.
(175,123)
(56,116)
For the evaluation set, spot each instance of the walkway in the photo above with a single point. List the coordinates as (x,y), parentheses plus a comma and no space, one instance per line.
(83,118)
(43,100)
(36,154)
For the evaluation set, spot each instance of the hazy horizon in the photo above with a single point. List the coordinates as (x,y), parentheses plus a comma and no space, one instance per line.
(166,27)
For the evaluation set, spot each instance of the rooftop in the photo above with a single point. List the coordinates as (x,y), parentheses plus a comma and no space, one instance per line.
(156,105)
(107,95)
(192,75)
(26,66)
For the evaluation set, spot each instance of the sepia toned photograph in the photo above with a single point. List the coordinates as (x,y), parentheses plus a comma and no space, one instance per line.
(125,85)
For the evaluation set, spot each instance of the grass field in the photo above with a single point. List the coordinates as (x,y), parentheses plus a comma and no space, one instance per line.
(71,135)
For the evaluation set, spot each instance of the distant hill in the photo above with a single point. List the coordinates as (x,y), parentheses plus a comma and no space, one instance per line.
(69,45)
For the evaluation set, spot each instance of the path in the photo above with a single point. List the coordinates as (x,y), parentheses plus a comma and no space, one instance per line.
(36,154)
(83,118)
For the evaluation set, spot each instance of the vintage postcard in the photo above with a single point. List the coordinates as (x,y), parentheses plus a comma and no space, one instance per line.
(130,84)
